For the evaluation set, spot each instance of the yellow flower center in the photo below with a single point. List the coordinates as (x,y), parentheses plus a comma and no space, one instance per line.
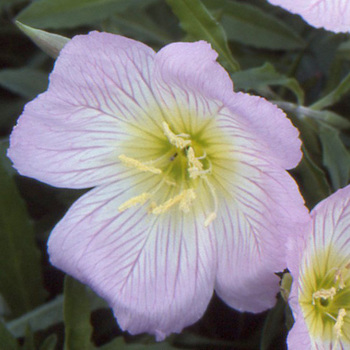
(182,164)
(324,297)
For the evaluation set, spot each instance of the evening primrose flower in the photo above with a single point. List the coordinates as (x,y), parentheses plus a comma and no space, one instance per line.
(320,266)
(332,15)
(191,191)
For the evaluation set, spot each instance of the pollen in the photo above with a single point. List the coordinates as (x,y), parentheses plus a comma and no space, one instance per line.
(141,199)
(184,199)
(339,323)
(175,140)
(181,172)
(324,294)
(195,167)
(134,163)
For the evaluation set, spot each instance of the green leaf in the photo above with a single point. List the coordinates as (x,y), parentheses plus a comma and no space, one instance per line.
(250,25)
(48,315)
(40,318)
(266,75)
(335,157)
(4,3)
(49,343)
(323,117)
(72,13)
(7,341)
(20,270)
(333,97)
(76,315)
(330,118)
(197,21)
(137,24)
(343,51)
(273,325)
(50,43)
(29,340)
(26,82)
(312,181)
(10,110)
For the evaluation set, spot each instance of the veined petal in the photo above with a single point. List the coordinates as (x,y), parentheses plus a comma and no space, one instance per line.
(262,119)
(193,66)
(298,336)
(261,208)
(69,136)
(191,181)
(333,15)
(156,272)
(252,229)
(182,69)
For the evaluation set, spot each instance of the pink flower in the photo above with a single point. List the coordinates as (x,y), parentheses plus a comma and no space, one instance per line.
(332,15)
(191,191)
(320,266)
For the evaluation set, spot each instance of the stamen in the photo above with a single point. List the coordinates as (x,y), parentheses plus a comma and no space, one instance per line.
(339,277)
(134,163)
(339,323)
(184,198)
(151,207)
(195,167)
(187,200)
(212,216)
(175,140)
(324,294)
(141,199)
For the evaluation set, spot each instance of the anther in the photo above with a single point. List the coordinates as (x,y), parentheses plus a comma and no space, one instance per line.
(339,323)
(184,198)
(134,163)
(186,201)
(175,140)
(195,167)
(141,199)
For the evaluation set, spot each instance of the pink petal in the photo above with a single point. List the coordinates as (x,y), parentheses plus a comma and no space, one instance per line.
(298,336)
(329,230)
(156,272)
(333,15)
(69,136)
(191,68)
(332,222)
(262,208)
(270,125)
